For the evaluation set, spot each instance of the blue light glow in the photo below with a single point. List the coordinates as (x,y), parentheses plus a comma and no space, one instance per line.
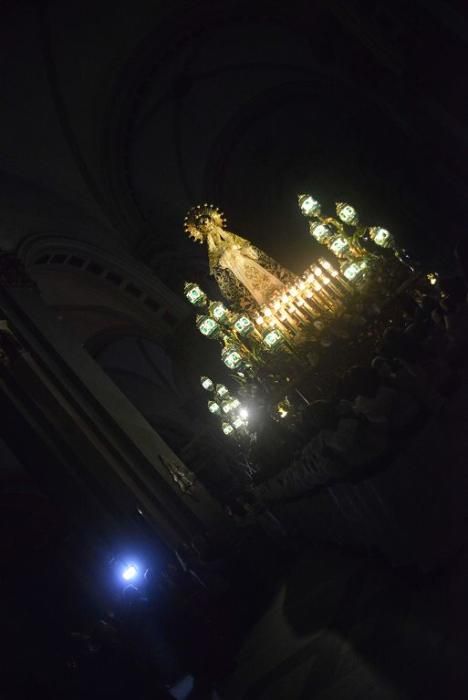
(130,572)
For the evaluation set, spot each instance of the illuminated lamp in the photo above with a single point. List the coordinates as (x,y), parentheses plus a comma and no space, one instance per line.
(221,391)
(232,357)
(321,232)
(218,311)
(381,236)
(339,246)
(347,214)
(194,294)
(130,572)
(273,339)
(243,325)
(354,271)
(206,383)
(308,205)
(230,405)
(214,408)
(208,326)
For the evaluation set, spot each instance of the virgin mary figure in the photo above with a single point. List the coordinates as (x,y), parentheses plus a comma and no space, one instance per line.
(246,276)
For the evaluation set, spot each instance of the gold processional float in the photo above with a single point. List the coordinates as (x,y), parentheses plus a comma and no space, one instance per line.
(273,315)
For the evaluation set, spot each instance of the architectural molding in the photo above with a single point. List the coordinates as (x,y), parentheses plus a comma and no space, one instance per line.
(137,286)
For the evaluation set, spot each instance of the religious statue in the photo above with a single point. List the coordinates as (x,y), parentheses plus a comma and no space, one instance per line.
(278,327)
(246,276)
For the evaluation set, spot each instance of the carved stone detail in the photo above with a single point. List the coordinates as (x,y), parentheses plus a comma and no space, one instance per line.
(180,475)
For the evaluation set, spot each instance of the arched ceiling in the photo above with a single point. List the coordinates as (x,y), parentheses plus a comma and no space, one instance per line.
(143,109)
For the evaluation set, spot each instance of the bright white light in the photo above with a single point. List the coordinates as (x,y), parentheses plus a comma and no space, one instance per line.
(310,206)
(129,572)
(319,231)
(338,245)
(381,235)
(244,414)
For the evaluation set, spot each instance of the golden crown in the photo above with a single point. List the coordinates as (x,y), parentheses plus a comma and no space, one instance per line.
(198,219)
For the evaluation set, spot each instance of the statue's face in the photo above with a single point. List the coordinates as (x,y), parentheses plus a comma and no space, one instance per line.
(202,220)
(205,224)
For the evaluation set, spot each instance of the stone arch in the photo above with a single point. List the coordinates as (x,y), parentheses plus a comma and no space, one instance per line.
(96,291)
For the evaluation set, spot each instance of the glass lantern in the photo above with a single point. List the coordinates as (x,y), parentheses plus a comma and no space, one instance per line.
(355,271)
(227,428)
(347,214)
(221,391)
(232,357)
(381,236)
(218,311)
(238,423)
(321,232)
(339,245)
(273,339)
(243,325)
(308,205)
(230,405)
(208,326)
(214,408)
(206,383)
(194,294)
